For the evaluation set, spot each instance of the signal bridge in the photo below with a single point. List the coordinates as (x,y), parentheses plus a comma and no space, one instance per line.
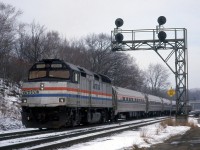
(171,46)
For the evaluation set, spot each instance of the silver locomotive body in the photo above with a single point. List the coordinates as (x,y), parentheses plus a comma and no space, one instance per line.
(61,94)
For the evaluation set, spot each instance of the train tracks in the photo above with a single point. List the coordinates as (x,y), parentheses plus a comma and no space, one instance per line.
(51,139)
(19,134)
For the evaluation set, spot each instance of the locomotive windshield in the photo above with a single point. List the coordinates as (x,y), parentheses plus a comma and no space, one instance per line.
(37,74)
(47,71)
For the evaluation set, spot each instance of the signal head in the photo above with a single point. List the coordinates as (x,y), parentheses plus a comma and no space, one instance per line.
(162,36)
(119,37)
(119,22)
(161,20)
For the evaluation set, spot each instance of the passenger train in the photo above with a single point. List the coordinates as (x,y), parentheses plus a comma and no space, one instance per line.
(59,94)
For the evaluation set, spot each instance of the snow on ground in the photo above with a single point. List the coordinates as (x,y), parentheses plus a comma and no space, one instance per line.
(143,137)
(68,132)
(10,117)
(10,124)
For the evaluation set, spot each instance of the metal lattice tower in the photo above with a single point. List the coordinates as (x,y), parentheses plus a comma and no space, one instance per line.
(172,50)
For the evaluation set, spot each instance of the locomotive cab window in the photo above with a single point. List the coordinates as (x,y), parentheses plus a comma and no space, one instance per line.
(56,65)
(49,71)
(64,74)
(39,66)
(37,74)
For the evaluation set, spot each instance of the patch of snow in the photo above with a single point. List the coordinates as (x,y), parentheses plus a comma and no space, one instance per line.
(144,137)
(10,124)
(10,116)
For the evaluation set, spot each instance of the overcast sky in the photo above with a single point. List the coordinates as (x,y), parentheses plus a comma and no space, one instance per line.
(78,18)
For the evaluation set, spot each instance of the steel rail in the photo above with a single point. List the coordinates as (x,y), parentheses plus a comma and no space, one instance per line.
(66,139)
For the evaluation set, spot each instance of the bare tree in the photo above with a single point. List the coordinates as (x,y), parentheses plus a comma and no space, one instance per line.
(52,45)
(31,43)
(98,52)
(125,72)
(29,47)
(118,66)
(194,94)
(8,22)
(73,51)
(157,78)
(22,43)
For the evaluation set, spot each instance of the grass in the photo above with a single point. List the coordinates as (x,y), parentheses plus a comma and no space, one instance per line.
(144,132)
(145,135)
(167,122)
(173,122)
(160,128)
(135,147)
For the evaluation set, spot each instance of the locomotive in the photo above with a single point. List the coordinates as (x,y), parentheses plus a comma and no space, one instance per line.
(59,94)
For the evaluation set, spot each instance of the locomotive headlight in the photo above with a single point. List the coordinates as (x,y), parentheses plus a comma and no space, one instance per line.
(41,86)
(61,100)
(24,100)
(28,118)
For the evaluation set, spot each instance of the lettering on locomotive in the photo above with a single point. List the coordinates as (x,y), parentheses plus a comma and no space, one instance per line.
(30,92)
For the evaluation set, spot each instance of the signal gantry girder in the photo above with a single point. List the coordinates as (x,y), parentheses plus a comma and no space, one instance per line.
(171,46)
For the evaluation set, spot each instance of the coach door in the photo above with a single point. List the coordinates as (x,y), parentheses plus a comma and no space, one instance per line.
(147,103)
(162,104)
